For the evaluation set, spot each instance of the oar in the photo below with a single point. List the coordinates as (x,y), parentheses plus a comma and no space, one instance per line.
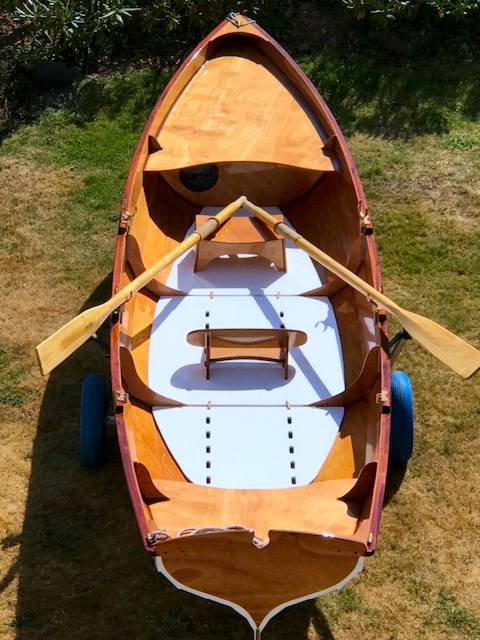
(52,351)
(457,354)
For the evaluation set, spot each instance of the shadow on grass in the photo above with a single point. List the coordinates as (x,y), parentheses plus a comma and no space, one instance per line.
(395,99)
(395,476)
(372,94)
(83,573)
(130,95)
(294,623)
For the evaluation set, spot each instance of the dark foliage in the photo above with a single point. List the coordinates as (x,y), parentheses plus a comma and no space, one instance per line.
(94,36)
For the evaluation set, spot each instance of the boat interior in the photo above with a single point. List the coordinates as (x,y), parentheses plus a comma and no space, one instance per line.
(251,373)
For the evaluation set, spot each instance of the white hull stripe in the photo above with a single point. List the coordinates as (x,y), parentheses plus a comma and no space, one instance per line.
(161,568)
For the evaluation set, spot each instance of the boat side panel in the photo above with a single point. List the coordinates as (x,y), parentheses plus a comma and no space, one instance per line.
(129,200)
(379,490)
(356,442)
(146,444)
(160,223)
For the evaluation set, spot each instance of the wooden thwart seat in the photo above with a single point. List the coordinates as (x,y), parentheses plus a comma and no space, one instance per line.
(246,344)
(241,235)
(239,108)
(332,506)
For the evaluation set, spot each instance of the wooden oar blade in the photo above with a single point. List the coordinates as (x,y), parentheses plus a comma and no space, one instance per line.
(460,356)
(52,351)
(457,354)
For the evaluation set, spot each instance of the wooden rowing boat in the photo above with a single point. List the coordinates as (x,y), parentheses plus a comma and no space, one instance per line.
(254,401)
(254,520)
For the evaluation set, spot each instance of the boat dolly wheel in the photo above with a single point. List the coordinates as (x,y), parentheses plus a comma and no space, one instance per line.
(93,418)
(402,418)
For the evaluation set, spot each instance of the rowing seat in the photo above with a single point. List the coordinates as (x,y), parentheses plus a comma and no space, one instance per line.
(241,235)
(246,344)
(332,506)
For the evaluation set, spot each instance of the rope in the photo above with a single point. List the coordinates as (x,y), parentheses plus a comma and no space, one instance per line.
(191,531)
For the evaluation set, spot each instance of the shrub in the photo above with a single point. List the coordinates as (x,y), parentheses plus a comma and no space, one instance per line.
(410,10)
(70,28)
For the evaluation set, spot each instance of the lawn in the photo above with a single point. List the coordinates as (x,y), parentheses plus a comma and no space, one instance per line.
(72,564)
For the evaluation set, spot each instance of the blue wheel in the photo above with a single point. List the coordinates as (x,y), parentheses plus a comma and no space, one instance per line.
(402,419)
(92,420)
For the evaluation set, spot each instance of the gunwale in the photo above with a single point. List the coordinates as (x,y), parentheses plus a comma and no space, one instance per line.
(119,274)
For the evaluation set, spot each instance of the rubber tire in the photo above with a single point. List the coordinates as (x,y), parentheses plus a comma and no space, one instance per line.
(93,409)
(402,418)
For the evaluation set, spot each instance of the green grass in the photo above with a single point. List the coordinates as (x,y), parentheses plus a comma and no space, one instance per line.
(94,137)
(415,136)
(13,391)
(396,99)
(455,615)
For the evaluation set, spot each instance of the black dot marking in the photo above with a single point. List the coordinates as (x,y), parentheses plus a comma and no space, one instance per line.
(207,420)
(292,449)
(282,326)
(289,420)
(207,326)
(207,313)
(208,479)
(281,314)
(207,464)
(207,449)
(294,480)
(207,434)
(292,465)
(290,434)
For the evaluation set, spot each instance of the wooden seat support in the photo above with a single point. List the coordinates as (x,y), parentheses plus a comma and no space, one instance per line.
(353,263)
(241,235)
(246,344)
(133,383)
(137,264)
(360,387)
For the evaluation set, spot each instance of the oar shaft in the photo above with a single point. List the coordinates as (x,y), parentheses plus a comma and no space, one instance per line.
(440,342)
(324,259)
(52,351)
(194,238)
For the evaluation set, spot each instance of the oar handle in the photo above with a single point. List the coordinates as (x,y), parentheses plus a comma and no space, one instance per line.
(326,260)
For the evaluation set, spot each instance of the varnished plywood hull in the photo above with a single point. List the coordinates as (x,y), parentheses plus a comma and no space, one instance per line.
(241,103)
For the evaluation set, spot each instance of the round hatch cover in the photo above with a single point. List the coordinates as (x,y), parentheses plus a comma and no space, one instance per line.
(200,178)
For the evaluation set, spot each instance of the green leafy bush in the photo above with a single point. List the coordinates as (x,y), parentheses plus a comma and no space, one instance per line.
(70,28)
(410,10)
(193,17)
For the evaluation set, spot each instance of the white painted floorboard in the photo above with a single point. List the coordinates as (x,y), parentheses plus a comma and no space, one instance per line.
(248,441)
(249,447)
(176,368)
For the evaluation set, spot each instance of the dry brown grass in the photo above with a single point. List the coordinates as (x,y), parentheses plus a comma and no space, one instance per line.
(72,564)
